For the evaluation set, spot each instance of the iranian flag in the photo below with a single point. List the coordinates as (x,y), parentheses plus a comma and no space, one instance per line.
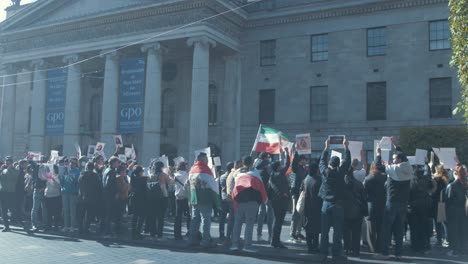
(269,140)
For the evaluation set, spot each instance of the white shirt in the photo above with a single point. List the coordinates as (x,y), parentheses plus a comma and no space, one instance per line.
(180,177)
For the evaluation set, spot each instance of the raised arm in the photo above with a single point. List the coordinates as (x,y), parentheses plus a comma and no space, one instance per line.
(323,164)
(346,158)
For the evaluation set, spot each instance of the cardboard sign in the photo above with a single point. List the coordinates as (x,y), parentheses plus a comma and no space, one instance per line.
(118,141)
(303,144)
(34,156)
(386,143)
(78,150)
(336,141)
(336,154)
(217,161)
(100,148)
(355,148)
(123,158)
(91,151)
(447,157)
(420,157)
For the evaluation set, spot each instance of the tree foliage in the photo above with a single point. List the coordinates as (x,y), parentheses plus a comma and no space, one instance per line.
(459,38)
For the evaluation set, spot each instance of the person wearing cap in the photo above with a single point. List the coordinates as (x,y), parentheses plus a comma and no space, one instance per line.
(331,192)
(8,180)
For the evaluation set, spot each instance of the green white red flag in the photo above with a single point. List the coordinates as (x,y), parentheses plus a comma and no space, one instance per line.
(269,140)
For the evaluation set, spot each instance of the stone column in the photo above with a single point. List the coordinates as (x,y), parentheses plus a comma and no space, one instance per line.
(72,106)
(198,135)
(110,101)
(38,106)
(152,115)
(7,110)
(231,108)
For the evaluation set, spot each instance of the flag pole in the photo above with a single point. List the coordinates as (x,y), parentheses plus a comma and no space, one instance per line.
(256,140)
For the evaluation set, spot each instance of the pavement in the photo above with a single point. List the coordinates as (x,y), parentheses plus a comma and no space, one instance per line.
(58,247)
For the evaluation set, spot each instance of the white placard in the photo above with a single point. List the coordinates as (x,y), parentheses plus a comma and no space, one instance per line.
(123,158)
(78,150)
(54,154)
(386,156)
(336,154)
(129,152)
(411,160)
(386,143)
(355,148)
(99,148)
(34,156)
(217,161)
(420,157)
(303,144)
(336,141)
(447,157)
(91,151)
(376,146)
(118,140)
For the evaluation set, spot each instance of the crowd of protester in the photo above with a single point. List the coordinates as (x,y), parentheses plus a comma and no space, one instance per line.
(365,205)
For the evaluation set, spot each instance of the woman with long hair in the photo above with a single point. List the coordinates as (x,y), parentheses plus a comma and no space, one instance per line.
(441,180)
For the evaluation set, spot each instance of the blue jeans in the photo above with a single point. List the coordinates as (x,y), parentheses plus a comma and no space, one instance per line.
(265,209)
(393,223)
(200,214)
(227,207)
(332,216)
(38,202)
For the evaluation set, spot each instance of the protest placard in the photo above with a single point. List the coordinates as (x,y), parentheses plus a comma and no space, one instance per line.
(355,148)
(411,160)
(91,151)
(118,141)
(420,157)
(336,154)
(54,154)
(336,141)
(303,144)
(123,158)
(128,152)
(100,148)
(217,161)
(34,156)
(385,143)
(447,157)
(78,150)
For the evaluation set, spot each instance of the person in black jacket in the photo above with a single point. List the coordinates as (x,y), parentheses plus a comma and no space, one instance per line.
(263,164)
(374,184)
(109,183)
(278,194)
(331,193)
(355,205)
(312,207)
(456,217)
(90,193)
(300,170)
(419,206)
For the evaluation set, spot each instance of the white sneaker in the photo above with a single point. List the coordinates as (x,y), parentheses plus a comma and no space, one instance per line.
(250,250)
(234,248)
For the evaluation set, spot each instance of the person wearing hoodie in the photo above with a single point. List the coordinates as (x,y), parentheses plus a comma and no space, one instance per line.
(399,176)
(331,192)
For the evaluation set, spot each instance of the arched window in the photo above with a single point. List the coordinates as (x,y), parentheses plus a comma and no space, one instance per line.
(168,109)
(212,105)
(95,113)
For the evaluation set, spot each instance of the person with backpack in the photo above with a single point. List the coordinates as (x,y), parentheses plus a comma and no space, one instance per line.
(182,206)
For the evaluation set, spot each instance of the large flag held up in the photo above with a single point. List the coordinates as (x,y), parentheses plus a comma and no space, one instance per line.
(269,140)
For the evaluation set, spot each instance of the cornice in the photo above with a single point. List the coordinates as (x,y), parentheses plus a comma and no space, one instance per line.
(339,12)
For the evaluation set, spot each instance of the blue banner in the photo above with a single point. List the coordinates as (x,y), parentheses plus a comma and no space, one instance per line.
(131,95)
(55,105)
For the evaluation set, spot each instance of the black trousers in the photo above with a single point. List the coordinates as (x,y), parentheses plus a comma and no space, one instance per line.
(352,234)
(418,221)
(155,218)
(181,209)
(54,211)
(87,211)
(279,210)
(8,202)
(374,229)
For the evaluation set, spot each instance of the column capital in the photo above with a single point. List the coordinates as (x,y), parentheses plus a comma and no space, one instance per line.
(203,40)
(109,54)
(39,64)
(155,46)
(71,58)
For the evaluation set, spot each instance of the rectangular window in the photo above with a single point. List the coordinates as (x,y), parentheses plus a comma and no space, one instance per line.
(377,101)
(376,41)
(268,52)
(266,113)
(440,98)
(439,35)
(319,103)
(319,46)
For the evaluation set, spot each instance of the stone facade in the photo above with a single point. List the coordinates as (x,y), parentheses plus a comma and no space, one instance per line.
(221,52)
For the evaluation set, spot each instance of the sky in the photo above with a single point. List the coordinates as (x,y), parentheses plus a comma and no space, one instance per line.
(6,3)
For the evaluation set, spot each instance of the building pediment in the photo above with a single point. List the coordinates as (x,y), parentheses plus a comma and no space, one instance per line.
(48,12)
